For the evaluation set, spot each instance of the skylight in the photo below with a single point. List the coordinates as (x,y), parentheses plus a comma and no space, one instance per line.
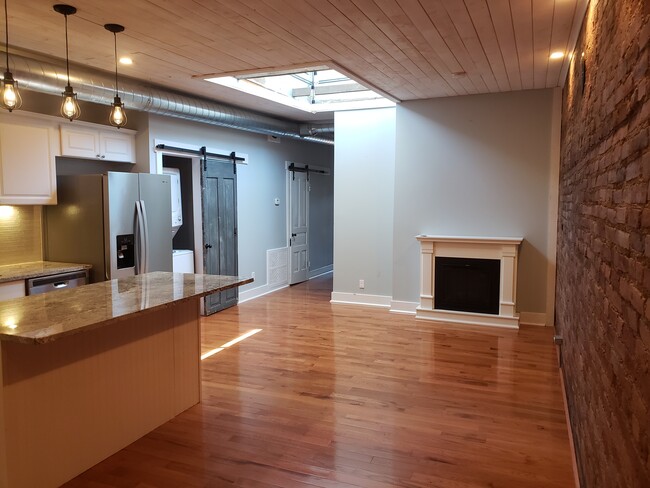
(316,89)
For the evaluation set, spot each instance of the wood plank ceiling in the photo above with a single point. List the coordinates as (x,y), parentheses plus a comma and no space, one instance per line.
(409,49)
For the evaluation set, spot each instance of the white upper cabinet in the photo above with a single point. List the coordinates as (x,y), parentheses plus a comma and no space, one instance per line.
(80,141)
(117,146)
(28,147)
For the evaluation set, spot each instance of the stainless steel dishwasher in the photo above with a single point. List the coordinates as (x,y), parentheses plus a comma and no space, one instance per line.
(61,281)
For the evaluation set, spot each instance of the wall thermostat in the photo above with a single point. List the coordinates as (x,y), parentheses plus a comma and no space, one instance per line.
(276,200)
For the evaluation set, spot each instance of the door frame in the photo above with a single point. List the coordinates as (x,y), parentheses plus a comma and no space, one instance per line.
(156,167)
(196,193)
(321,171)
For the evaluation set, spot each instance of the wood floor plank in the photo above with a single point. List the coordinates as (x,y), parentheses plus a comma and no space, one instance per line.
(331,396)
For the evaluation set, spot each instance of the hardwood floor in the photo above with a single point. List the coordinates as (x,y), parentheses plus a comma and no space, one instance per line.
(337,396)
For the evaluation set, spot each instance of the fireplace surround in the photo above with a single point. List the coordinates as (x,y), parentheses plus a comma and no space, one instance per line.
(505,250)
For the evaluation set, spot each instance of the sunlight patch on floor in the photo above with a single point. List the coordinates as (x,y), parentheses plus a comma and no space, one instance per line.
(216,350)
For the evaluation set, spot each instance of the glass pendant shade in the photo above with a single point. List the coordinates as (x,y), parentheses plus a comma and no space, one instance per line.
(118,115)
(117,118)
(70,107)
(11,99)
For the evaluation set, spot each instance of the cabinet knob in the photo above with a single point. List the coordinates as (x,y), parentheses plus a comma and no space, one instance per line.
(97,156)
(103,156)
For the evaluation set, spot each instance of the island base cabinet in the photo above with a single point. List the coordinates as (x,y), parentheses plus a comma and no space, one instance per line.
(68,404)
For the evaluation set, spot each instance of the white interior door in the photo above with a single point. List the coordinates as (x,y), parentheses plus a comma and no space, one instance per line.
(299,227)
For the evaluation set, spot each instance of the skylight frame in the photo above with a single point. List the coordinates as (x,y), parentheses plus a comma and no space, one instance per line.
(247,82)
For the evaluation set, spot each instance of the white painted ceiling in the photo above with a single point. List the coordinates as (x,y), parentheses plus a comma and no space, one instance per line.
(408,49)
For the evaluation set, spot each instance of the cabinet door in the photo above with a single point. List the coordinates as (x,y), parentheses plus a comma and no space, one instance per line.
(27,161)
(79,142)
(116,146)
(12,289)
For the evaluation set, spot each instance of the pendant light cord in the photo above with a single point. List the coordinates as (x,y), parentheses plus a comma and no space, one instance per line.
(117,91)
(67,57)
(7,34)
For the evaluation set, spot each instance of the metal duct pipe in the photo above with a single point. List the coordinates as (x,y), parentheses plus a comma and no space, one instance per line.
(316,129)
(97,86)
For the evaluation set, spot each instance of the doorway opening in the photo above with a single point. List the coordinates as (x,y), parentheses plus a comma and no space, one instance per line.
(305,246)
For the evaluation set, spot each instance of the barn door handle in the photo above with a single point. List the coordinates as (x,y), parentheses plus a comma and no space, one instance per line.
(208,246)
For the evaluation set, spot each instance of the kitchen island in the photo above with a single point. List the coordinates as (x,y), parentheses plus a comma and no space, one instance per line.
(87,371)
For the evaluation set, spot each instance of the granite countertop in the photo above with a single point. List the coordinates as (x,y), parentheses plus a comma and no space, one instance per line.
(50,316)
(36,269)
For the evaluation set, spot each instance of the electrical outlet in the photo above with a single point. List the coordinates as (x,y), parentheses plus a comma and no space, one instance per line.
(362,284)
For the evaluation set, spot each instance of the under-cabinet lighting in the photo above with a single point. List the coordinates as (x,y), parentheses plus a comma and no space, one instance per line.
(126,60)
(557,55)
(6,212)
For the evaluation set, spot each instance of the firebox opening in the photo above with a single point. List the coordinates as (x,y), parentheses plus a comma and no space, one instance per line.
(467,285)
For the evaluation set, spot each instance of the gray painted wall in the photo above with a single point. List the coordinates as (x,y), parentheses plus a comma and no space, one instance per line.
(474,165)
(363,201)
(261,224)
(321,219)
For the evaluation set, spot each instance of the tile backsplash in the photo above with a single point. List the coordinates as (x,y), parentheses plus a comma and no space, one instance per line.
(21,234)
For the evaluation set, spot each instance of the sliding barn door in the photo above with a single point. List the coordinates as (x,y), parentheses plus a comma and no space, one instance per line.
(220,228)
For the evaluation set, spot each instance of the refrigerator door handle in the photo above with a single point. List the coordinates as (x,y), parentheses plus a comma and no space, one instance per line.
(139,249)
(146,236)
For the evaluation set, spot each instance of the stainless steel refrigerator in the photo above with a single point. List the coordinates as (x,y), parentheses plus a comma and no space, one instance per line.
(118,222)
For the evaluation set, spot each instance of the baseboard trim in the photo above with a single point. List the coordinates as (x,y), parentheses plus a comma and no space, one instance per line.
(467,318)
(315,273)
(532,318)
(361,300)
(260,291)
(407,308)
(567,416)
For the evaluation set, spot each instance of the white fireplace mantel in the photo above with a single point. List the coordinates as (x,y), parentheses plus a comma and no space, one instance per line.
(505,249)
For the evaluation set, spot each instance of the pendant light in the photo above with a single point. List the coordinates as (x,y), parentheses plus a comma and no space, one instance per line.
(69,107)
(11,99)
(118,116)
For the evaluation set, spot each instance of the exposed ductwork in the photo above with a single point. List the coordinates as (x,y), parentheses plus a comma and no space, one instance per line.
(97,86)
(316,129)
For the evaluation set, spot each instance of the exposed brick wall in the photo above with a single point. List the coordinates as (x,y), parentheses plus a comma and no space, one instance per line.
(603,285)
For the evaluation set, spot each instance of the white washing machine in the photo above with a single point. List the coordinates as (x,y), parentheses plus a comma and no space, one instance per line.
(183,261)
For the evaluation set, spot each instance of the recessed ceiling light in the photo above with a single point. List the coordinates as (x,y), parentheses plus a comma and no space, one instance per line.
(557,55)
(126,60)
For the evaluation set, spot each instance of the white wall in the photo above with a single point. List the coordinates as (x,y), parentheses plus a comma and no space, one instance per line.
(475,165)
(363,203)
(261,224)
